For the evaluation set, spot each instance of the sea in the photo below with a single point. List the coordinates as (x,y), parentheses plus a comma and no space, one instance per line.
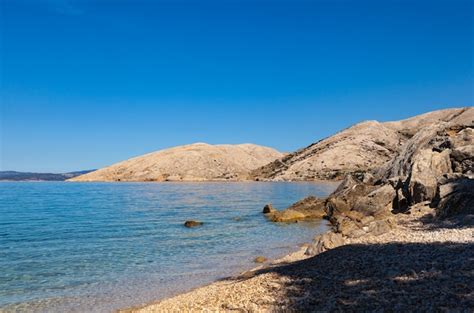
(99,247)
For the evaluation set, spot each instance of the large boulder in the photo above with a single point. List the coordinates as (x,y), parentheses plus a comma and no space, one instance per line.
(358,206)
(354,224)
(346,195)
(427,166)
(455,195)
(378,202)
(462,159)
(324,242)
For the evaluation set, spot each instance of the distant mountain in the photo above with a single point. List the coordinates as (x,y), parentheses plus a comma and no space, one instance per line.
(27,176)
(195,162)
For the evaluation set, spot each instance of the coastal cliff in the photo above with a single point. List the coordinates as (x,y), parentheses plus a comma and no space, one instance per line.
(195,162)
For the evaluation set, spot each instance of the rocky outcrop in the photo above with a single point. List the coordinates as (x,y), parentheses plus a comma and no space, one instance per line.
(344,198)
(361,148)
(434,166)
(308,208)
(437,150)
(196,162)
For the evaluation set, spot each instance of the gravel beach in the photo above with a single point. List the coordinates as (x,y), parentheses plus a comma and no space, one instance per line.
(421,263)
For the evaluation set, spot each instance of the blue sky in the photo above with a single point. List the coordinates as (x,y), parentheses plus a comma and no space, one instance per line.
(87,83)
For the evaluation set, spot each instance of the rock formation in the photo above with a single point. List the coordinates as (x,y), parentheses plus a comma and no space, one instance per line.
(433,167)
(196,162)
(308,208)
(363,147)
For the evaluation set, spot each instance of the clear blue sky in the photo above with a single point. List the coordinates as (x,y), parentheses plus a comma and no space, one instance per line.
(87,83)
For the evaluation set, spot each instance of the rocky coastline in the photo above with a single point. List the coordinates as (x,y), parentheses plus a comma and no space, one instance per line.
(402,237)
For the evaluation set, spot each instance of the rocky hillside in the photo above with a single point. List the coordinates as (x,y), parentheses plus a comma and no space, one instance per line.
(362,147)
(434,169)
(195,162)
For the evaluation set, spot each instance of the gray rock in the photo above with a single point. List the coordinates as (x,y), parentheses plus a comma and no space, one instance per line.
(325,242)
(346,195)
(347,227)
(462,159)
(427,166)
(378,202)
(437,149)
(378,228)
(454,196)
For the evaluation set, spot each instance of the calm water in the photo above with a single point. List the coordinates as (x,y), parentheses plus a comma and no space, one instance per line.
(102,246)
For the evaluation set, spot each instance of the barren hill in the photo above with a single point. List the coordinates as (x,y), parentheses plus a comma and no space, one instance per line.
(29,176)
(195,162)
(364,146)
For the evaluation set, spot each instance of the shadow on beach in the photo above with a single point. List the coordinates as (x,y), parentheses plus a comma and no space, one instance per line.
(388,277)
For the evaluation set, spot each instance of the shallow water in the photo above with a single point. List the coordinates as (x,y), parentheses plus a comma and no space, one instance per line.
(102,246)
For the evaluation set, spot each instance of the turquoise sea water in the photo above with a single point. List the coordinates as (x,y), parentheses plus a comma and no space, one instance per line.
(102,246)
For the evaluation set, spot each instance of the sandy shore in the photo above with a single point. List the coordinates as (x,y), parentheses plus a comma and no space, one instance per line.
(421,264)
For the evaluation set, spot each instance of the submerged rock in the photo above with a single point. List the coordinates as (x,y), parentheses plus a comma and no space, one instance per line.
(260,259)
(192,223)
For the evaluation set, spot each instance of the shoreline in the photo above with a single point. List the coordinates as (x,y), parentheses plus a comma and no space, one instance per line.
(290,257)
(317,181)
(228,213)
(279,284)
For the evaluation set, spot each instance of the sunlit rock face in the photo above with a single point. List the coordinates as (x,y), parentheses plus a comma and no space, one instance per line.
(366,146)
(195,162)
